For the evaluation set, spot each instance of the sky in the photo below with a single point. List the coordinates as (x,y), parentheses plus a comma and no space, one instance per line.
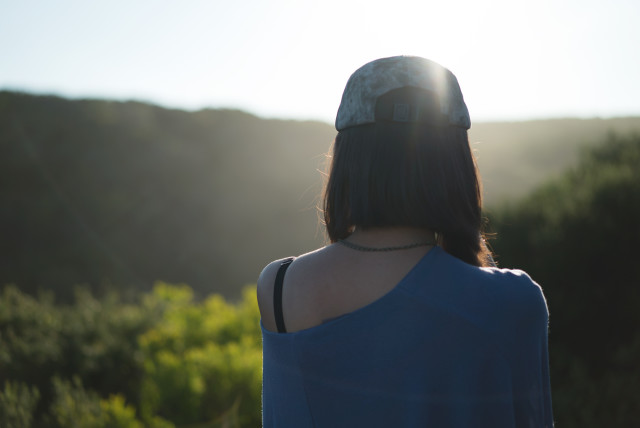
(514,59)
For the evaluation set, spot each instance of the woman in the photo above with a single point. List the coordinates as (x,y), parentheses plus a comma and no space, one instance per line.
(401,321)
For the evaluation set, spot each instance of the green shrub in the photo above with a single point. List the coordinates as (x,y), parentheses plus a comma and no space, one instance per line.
(104,363)
(95,340)
(73,406)
(203,360)
(17,405)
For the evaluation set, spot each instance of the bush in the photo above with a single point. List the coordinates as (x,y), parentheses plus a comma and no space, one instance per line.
(95,340)
(17,405)
(73,407)
(100,362)
(203,360)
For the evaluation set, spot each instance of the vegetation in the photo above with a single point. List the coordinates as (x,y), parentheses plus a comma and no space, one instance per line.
(162,362)
(113,194)
(517,157)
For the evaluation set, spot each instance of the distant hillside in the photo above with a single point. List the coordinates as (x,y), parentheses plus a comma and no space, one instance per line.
(126,193)
(514,157)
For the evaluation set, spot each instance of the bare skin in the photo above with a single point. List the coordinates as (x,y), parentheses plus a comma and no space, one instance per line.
(336,280)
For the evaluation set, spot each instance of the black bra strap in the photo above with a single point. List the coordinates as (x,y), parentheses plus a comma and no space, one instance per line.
(277,296)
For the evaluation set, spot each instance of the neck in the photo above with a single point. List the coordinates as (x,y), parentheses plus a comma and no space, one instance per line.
(389,236)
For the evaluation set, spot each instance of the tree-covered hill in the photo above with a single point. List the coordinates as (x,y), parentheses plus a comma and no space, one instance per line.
(516,157)
(126,193)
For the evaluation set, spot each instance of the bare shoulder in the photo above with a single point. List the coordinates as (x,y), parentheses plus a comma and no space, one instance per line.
(266,282)
(304,266)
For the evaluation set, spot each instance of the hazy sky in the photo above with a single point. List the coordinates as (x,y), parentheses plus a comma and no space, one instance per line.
(514,59)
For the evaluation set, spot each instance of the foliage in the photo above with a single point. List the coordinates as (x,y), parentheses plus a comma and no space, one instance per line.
(74,406)
(94,340)
(578,236)
(120,194)
(17,405)
(166,361)
(201,359)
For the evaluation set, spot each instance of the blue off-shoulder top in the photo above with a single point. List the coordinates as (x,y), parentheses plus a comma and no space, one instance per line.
(452,345)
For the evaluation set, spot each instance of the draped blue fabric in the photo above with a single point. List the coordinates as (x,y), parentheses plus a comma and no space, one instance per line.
(452,345)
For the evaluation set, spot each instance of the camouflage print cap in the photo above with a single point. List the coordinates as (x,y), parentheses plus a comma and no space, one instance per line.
(376,78)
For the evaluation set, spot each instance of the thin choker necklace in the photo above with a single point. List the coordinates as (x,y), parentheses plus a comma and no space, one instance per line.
(400,247)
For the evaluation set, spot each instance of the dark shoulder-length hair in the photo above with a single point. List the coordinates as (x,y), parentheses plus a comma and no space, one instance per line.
(412,175)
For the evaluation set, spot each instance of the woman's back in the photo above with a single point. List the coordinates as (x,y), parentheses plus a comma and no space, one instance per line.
(449,345)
